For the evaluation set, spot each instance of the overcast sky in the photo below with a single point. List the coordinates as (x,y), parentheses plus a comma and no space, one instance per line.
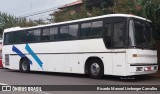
(24,8)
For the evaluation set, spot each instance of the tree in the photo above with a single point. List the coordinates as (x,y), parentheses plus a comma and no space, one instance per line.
(8,21)
(89,8)
(152,12)
(145,8)
(91,4)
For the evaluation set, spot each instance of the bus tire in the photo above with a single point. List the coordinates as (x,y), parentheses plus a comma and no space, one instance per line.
(24,65)
(96,69)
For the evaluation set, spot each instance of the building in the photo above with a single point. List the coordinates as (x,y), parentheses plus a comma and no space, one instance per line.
(72,7)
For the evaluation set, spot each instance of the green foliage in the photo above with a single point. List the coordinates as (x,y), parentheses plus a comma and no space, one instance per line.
(91,4)
(145,8)
(71,14)
(152,12)
(124,6)
(65,15)
(8,21)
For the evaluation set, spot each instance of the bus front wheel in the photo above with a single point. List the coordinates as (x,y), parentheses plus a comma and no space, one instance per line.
(24,65)
(96,69)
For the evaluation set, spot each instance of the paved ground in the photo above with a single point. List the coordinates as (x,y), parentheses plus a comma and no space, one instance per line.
(10,77)
(156,74)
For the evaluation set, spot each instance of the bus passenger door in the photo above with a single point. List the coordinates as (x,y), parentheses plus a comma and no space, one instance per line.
(114,38)
(118,47)
(119,65)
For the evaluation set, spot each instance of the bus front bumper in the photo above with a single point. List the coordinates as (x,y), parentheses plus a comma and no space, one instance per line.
(139,69)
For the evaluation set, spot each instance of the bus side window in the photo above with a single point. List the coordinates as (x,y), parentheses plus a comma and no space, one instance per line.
(9,37)
(108,35)
(53,33)
(23,36)
(64,32)
(97,28)
(30,36)
(73,31)
(20,36)
(37,34)
(85,30)
(119,35)
(45,34)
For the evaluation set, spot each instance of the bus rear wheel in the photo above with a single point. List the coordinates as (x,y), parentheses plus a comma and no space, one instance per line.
(24,65)
(96,69)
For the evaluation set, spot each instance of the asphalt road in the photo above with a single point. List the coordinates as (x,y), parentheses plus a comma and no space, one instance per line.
(11,77)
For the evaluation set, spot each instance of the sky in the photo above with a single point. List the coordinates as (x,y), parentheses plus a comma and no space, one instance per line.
(26,8)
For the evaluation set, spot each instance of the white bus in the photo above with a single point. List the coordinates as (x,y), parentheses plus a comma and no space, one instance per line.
(114,44)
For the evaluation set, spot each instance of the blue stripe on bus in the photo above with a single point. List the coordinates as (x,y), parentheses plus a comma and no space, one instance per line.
(30,51)
(15,49)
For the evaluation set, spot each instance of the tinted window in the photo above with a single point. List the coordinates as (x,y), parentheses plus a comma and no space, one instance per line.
(96,29)
(108,35)
(64,32)
(85,30)
(30,36)
(9,37)
(45,34)
(91,30)
(141,34)
(37,34)
(20,37)
(119,35)
(54,33)
(73,31)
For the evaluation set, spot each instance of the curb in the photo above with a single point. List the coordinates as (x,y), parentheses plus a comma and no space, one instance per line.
(157,76)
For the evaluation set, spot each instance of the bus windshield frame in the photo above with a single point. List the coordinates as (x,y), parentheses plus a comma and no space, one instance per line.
(140,34)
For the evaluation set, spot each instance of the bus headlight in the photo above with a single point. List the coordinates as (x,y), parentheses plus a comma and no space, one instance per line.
(150,68)
(143,55)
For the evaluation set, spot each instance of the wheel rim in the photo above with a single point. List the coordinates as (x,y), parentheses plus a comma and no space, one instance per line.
(95,69)
(24,65)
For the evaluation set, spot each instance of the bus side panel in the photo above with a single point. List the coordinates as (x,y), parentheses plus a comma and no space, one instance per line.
(54,62)
(71,63)
(14,62)
(107,62)
(119,64)
(67,63)
(34,66)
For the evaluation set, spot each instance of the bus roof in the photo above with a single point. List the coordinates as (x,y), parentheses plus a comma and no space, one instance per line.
(79,20)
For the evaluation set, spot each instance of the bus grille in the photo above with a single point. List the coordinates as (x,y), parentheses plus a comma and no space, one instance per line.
(7,59)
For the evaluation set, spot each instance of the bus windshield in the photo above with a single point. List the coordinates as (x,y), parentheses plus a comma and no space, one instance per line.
(140,34)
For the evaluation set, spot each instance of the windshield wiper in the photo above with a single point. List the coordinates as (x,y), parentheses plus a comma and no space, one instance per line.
(141,47)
